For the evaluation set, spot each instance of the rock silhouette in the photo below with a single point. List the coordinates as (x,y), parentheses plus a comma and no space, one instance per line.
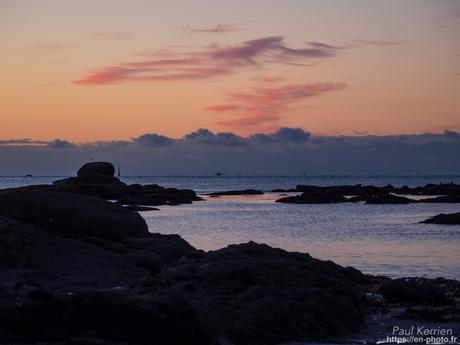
(452,218)
(96,179)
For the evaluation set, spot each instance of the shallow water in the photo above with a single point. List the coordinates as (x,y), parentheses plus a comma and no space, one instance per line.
(378,239)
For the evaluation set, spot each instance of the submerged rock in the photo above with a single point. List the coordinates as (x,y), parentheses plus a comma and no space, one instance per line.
(451,218)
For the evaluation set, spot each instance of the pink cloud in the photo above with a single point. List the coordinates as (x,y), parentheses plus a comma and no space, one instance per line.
(214,61)
(263,105)
(221,107)
(269,79)
(216,29)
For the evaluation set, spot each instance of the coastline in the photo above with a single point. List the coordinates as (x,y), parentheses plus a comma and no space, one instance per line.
(74,254)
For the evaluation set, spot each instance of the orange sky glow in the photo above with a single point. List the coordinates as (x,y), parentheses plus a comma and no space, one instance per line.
(88,71)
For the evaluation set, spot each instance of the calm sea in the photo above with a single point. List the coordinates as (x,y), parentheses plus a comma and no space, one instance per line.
(378,239)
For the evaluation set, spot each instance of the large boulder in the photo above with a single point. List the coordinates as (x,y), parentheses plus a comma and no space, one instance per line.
(103,186)
(451,218)
(261,295)
(71,215)
(31,257)
(96,168)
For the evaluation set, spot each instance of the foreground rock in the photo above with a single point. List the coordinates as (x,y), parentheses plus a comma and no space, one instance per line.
(264,295)
(67,265)
(414,291)
(238,192)
(77,269)
(451,218)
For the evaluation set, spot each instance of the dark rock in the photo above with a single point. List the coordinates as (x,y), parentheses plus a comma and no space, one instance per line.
(96,168)
(167,247)
(33,261)
(96,179)
(238,192)
(451,218)
(387,199)
(324,197)
(413,291)
(71,215)
(108,316)
(430,189)
(424,314)
(448,199)
(106,187)
(154,195)
(280,190)
(262,295)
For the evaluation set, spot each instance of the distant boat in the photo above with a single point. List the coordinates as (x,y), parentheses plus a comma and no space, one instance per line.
(218,173)
(29,175)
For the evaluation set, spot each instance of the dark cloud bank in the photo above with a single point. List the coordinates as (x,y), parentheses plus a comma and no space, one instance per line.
(289,151)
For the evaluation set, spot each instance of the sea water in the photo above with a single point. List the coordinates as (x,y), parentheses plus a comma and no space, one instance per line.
(377,239)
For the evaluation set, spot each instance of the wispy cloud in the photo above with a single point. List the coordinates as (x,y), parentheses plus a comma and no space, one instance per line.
(263,105)
(214,61)
(268,79)
(113,35)
(216,29)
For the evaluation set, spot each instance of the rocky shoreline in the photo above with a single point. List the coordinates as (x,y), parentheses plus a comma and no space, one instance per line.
(78,269)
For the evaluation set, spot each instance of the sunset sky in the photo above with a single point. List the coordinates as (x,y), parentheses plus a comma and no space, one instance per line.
(110,70)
